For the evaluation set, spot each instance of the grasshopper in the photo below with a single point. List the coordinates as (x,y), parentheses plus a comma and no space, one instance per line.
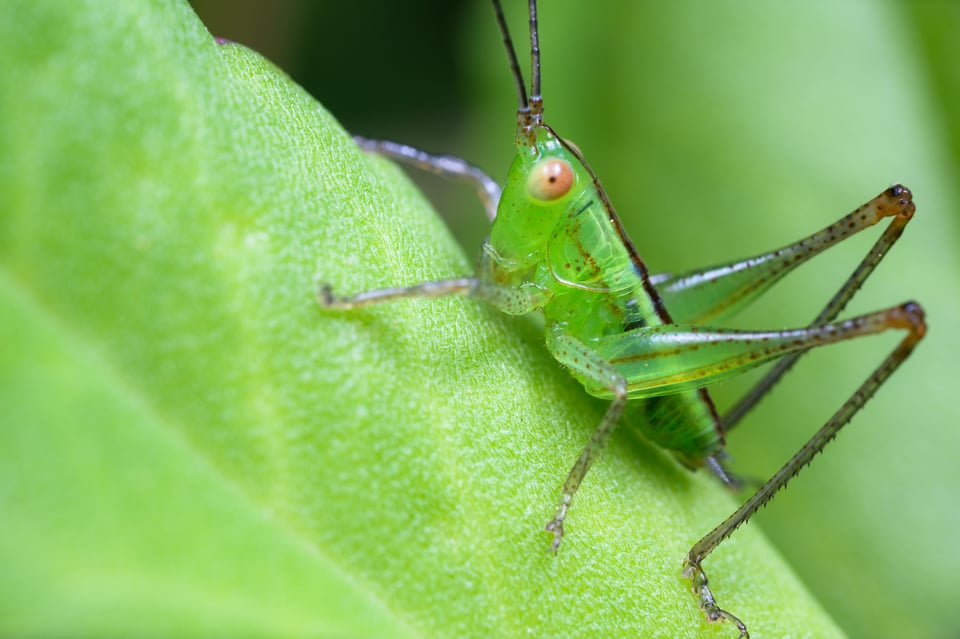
(641,340)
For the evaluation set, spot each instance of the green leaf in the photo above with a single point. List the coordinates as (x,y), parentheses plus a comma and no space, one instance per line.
(190,447)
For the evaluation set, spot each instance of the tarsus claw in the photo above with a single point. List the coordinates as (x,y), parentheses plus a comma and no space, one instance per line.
(555,526)
(706,601)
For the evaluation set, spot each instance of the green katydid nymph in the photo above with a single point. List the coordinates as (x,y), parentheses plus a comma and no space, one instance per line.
(643,341)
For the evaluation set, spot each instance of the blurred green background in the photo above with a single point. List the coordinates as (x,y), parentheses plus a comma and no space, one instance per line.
(166,379)
(719,130)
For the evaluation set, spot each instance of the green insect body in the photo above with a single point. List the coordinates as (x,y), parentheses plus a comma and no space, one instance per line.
(642,340)
(554,239)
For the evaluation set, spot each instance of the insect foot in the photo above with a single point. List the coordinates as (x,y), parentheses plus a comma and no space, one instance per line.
(713,612)
(328,300)
(325,296)
(555,525)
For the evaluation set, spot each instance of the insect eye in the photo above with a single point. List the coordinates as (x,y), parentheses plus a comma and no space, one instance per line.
(550,180)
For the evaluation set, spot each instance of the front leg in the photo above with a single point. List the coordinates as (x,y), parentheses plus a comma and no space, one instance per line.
(448,166)
(513,301)
(459,286)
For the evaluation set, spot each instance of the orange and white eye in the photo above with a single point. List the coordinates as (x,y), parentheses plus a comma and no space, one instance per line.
(550,180)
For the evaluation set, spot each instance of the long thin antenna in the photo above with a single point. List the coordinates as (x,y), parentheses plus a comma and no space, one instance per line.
(534,54)
(524,104)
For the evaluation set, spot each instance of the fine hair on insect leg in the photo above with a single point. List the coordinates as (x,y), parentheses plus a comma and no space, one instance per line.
(645,342)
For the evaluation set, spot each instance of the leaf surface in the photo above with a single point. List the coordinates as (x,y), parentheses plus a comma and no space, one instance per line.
(190,447)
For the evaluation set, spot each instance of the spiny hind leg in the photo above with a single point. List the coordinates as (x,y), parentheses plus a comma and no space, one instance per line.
(724,289)
(902,209)
(667,359)
(910,317)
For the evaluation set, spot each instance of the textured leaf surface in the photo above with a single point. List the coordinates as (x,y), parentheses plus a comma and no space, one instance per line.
(191,448)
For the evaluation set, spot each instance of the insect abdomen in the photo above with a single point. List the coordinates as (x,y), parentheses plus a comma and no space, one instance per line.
(683,423)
